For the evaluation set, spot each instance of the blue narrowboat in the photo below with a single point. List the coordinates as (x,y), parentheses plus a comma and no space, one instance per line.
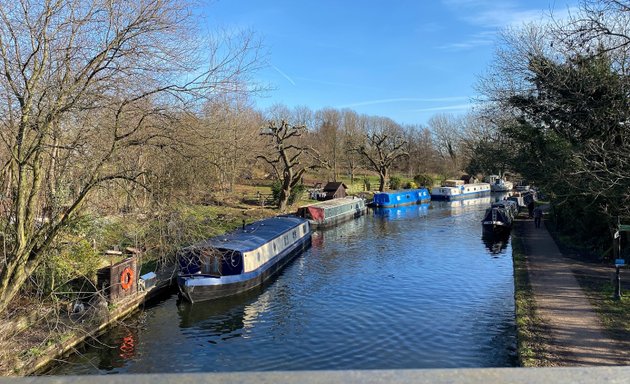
(393,199)
(241,260)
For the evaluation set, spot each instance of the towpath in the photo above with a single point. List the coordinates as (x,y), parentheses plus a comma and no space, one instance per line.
(576,334)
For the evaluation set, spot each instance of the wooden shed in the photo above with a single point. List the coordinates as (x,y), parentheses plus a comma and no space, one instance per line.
(335,190)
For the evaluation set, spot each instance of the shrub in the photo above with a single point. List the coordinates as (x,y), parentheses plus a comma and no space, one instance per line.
(395,182)
(423,180)
(296,192)
(411,185)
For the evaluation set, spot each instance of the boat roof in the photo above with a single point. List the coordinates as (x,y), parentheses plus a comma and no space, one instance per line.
(333,202)
(255,234)
(401,191)
(504,204)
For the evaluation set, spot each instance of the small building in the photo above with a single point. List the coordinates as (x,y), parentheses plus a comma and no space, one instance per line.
(334,190)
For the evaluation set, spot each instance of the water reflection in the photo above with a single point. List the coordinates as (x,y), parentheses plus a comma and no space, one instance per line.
(403,213)
(457,206)
(496,243)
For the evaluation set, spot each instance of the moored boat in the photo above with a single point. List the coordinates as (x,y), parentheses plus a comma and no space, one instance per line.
(332,212)
(241,260)
(391,199)
(523,199)
(456,189)
(499,184)
(500,216)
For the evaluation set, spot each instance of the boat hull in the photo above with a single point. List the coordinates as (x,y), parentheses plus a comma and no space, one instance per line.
(196,288)
(462,196)
(497,227)
(403,204)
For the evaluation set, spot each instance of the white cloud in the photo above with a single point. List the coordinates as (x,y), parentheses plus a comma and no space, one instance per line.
(404,100)
(480,39)
(491,16)
(495,14)
(456,107)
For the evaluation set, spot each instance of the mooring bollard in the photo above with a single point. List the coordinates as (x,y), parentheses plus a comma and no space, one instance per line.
(618,264)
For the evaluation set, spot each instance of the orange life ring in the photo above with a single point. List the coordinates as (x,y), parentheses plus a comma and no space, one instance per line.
(126,278)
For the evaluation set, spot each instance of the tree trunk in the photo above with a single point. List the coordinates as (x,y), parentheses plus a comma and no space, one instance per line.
(285,192)
(383,176)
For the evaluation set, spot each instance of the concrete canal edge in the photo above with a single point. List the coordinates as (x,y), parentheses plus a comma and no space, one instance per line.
(555,375)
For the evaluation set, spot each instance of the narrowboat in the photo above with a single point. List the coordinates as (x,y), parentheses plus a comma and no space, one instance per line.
(329,213)
(500,216)
(400,198)
(456,189)
(499,184)
(523,199)
(241,260)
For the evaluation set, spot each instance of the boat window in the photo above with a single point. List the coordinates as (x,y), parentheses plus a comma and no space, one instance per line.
(211,261)
(294,235)
(274,247)
(286,239)
(258,256)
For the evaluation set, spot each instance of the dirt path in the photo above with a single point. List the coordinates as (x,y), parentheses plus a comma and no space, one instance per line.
(575,330)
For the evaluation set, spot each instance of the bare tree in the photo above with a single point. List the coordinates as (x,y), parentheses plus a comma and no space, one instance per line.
(353,136)
(289,158)
(447,138)
(83,83)
(385,144)
(329,137)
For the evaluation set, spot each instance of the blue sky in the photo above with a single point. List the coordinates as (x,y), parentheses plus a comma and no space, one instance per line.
(406,60)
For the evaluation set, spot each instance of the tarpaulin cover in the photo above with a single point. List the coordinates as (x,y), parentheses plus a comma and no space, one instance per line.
(316,213)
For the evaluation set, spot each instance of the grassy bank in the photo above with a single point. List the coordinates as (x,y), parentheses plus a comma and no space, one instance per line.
(531,334)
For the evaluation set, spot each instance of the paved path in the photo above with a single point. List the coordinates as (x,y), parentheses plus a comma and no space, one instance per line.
(576,332)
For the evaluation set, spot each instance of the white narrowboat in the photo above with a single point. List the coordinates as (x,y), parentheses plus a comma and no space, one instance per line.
(456,189)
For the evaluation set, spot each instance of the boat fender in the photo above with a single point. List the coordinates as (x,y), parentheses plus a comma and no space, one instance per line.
(126,278)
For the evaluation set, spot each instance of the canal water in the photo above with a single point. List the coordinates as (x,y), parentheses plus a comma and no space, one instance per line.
(412,287)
